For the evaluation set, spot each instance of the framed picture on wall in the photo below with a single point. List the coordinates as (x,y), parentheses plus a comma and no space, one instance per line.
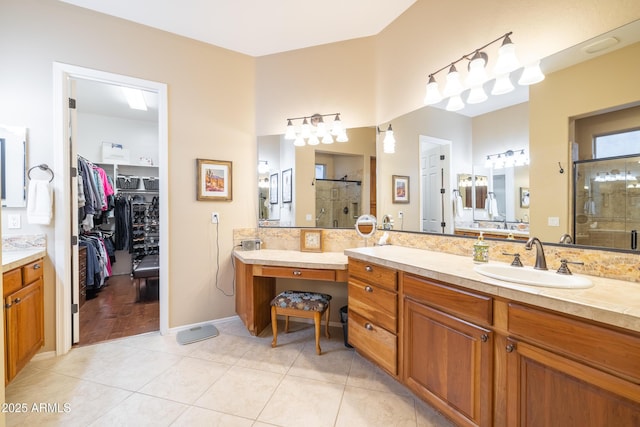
(214,180)
(273,188)
(400,187)
(287,186)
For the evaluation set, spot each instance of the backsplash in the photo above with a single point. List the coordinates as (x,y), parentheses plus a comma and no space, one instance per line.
(23,242)
(613,265)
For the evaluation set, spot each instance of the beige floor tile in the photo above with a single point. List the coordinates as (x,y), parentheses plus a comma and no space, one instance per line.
(277,360)
(225,348)
(429,417)
(365,374)
(165,343)
(300,401)
(200,417)
(186,380)
(240,391)
(333,365)
(141,410)
(372,408)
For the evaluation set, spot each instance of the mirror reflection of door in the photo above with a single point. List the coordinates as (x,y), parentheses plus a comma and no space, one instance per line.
(434,174)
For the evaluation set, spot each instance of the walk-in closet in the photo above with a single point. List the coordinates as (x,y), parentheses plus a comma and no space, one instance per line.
(118,208)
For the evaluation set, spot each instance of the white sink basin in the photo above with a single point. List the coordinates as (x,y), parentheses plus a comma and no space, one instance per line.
(530,276)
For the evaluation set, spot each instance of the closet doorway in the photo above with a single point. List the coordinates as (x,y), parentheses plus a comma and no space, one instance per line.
(118,226)
(134,162)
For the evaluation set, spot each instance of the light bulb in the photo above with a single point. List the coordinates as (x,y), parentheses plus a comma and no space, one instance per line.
(290,134)
(502,85)
(507,60)
(453,87)
(455,103)
(531,74)
(433,95)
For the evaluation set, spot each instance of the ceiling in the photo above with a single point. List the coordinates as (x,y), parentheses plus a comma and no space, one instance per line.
(258,27)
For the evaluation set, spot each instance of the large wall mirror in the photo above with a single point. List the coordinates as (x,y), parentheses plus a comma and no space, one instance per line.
(13,142)
(473,134)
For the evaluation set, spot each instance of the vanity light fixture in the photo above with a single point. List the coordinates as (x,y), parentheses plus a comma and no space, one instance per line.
(313,130)
(389,141)
(509,158)
(477,76)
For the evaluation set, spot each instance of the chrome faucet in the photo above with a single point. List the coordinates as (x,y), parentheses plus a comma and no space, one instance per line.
(541,262)
(566,238)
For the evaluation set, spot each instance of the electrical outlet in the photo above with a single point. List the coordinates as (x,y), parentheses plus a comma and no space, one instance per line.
(553,221)
(13,221)
(400,214)
(215,217)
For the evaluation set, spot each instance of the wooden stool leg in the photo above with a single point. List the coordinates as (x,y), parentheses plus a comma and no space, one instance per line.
(274,326)
(326,330)
(286,324)
(317,319)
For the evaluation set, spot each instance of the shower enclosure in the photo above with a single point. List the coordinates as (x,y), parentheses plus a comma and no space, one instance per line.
(337,203)
(607,202)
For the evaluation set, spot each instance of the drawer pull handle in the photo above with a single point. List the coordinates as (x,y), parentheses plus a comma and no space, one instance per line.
(368,268)
(297,273)
(36,266)
(368,288)
(368,326)
(17,301)
(510,348)
(8,305)
(484,337)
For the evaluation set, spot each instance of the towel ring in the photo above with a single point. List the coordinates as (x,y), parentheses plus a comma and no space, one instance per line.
(43,167)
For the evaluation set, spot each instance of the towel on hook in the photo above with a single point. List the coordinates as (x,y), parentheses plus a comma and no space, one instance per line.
(494,206)
(39,202)
(458,205)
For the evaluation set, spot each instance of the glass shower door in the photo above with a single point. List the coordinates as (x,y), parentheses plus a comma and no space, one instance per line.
(607,202)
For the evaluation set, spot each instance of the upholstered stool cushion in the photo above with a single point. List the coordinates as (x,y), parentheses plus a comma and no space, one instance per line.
(301,300)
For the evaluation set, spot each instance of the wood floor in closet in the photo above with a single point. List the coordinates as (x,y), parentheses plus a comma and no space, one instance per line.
(114,313)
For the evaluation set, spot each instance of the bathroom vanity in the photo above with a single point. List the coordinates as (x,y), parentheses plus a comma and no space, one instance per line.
(491,353)
(23,292)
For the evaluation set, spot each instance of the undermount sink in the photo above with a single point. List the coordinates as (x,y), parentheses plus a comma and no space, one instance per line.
(530,276)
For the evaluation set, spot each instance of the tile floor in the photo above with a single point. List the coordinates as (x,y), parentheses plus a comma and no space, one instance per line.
(232,380)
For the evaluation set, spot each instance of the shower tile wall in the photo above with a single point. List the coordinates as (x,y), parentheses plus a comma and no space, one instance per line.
(338,204)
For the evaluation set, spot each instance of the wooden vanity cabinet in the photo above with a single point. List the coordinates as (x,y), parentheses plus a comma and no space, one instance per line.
(373,313)
(24,315)
(448,349)
(565,371)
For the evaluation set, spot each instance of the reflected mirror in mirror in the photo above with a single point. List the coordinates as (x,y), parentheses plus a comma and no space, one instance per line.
(366,226)
(497,195)
(13,142)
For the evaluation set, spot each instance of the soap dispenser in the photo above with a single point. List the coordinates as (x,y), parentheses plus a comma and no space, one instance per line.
(480,250)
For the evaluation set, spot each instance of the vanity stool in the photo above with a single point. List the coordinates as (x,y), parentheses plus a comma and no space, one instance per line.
(308,305)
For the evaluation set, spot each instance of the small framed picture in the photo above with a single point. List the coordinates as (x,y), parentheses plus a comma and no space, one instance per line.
(524,197)
(214,180)
(287,186)
(400,186)
(273,189)
(311,240)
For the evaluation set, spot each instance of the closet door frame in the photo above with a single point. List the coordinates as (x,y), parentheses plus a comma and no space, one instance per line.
(65,254)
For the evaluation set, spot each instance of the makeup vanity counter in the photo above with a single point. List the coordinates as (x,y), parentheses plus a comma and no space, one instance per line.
(484,351)
(256,273)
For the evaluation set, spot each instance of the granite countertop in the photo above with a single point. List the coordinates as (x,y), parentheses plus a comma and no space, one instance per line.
(286,258)
(613,302)
(17,258)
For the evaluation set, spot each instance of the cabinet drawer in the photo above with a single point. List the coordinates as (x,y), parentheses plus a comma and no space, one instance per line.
(467,305)
(374,302)
(12,281)
(297,273)
(32,272)
(373,273)
(373,342)
(609,349)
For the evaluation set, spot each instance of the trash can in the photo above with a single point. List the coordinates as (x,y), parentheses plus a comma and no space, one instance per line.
(344,313)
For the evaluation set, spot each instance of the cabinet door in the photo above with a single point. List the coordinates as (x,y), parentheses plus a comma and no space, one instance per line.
(449,363)
(545,389)
(25,326)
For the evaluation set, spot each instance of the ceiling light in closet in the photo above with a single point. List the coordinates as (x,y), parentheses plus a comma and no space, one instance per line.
(135,98)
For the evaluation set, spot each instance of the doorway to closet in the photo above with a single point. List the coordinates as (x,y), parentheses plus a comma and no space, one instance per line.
(117,148)
(148,202)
